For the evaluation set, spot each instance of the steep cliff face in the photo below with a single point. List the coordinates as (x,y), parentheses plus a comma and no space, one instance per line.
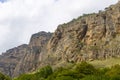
(34,53)
(24,58)
(10,59)
(90,37)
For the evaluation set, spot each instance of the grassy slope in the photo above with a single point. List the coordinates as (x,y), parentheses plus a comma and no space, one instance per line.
(105,63)
(97,63)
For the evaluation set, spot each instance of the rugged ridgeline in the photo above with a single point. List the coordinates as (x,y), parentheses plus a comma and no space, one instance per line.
(25,58)
(90,37)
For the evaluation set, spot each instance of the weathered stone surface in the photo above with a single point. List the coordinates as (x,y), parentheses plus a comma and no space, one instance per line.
(10,59)
(24,58)
(92,36)
(34,53)
(89,37)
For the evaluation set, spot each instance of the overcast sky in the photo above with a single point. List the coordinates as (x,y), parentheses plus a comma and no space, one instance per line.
(19,19)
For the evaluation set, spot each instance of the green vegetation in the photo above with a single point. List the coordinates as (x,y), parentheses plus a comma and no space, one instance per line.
(3,77)
(41,74)
(105,63)
(44,72)
(80,71)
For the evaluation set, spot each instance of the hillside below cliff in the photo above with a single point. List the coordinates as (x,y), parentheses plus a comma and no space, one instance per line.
(90,37)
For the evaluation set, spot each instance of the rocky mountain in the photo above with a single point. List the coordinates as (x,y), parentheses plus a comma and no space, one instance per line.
(25,58)
(89,37)
(10,59)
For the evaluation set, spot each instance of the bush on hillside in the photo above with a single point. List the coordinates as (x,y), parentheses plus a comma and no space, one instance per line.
(85,68)
(65,78)
(114,72)
(95,77)
(4,77)
(44,72)
(27,77)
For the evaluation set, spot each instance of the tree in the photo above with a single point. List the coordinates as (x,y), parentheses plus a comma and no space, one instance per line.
(85,68)
(44,72)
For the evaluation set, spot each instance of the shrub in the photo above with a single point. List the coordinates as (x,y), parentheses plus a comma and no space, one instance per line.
(4,77)
(65,78)
(71,73)
(26,77)
(44,72)
(55,74)
(102,70)
(60,72)
(114,71)
(115,77)
(85,68)
(94,77)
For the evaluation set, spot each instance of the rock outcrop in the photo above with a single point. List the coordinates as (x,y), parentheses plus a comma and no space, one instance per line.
(89,37)
(25,58)
(10,59)
(34,53)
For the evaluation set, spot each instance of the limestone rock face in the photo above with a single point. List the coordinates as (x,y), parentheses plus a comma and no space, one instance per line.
(25,58)
(34,53)
(10,59)
(89,37)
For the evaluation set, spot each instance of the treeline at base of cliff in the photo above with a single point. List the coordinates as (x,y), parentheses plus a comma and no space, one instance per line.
(79,71)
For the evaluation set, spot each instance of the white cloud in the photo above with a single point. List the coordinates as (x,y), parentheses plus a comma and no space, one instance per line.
(21,18)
